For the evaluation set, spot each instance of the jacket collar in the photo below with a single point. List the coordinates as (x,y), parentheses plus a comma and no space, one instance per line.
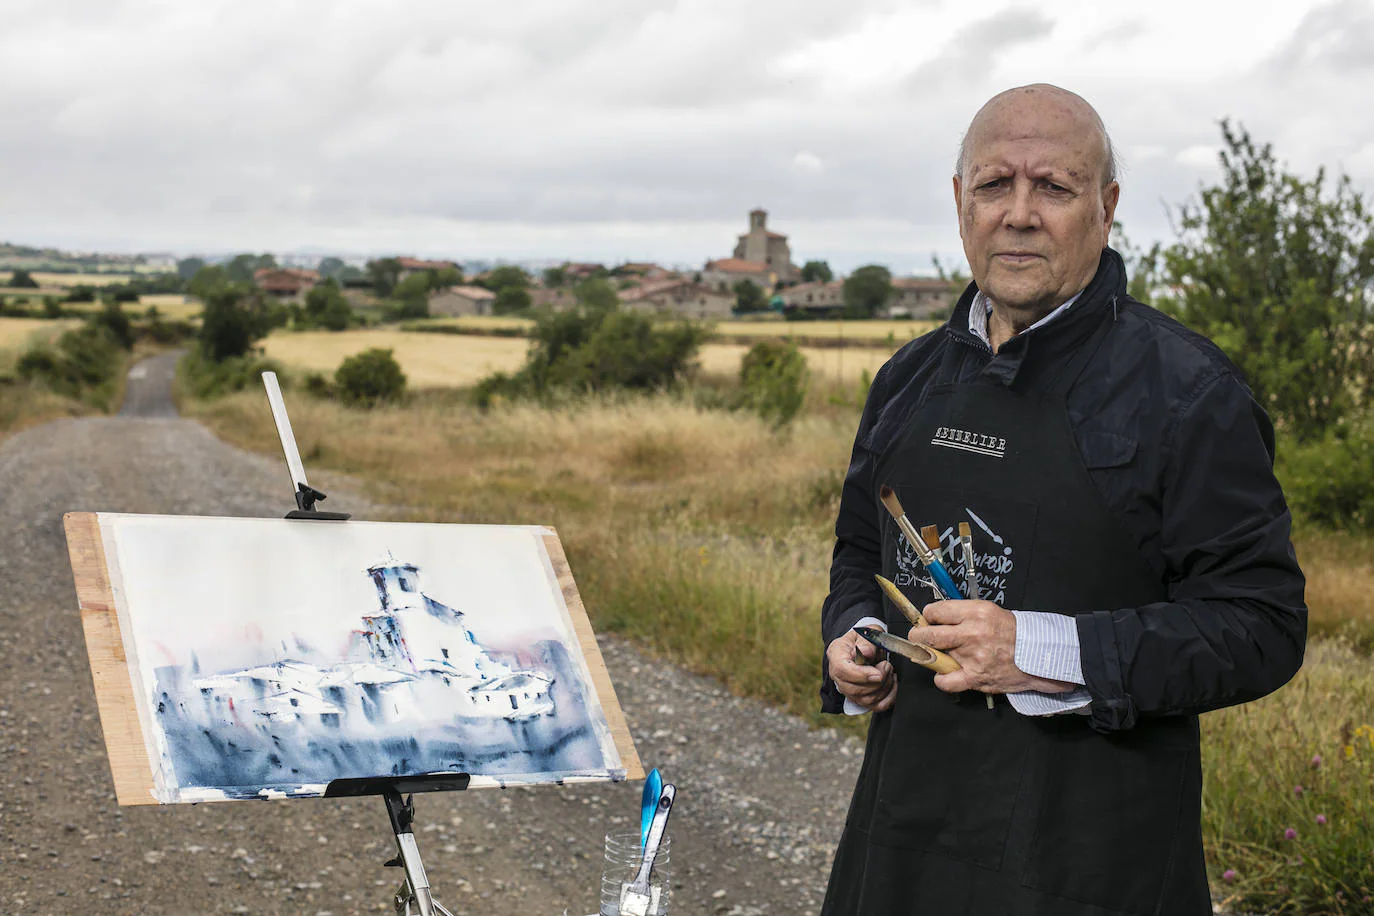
(1053,340)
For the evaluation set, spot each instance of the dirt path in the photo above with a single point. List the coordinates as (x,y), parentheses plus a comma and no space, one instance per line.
(761,798)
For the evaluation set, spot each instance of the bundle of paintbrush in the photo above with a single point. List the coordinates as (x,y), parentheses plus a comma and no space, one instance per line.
(926,544)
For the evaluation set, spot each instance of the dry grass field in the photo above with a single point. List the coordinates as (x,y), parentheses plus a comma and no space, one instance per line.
(429,360)
(19,334)
(476,323)
(708,521)
(67,281)
(898,331)
(460,360)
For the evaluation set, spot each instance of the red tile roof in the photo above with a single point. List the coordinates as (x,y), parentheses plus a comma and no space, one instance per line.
(417,264)
(738,266)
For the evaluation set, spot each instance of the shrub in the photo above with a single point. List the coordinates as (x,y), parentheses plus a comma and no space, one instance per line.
(369,378)
(81,294)
(1327,480)
(206,379)
(316,385)
(113,319)
(597,349)
(85,363)
(774,377)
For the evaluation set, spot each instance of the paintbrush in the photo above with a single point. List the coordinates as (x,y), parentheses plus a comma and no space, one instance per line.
(924,656)
(970,563)
(903,602)
(944,582)
(639,897)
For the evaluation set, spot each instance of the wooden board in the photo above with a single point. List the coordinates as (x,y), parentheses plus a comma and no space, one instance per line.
(114,689)
(601,678)
(126,741)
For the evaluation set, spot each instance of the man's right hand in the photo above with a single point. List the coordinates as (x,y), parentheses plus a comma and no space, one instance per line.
(874,687)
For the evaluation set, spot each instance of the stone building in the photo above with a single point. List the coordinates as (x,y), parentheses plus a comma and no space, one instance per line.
(461,300)
(921,297)
(815,296)
(722,275)
(764,246)
(680,297)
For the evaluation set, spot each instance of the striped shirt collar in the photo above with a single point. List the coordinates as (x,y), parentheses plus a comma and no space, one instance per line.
(982,308)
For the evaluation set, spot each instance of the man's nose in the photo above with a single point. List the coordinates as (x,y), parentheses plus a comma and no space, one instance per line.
(1021,212)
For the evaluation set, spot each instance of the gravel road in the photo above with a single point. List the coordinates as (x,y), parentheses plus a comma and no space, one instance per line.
(761,797)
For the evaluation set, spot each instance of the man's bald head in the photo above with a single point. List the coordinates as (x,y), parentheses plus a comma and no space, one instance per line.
(1067,104)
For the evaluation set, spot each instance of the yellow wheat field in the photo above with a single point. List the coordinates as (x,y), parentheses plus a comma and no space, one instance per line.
(458,360)
(900,331)
(19,334)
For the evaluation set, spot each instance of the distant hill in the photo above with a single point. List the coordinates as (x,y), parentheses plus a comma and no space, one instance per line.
(53,260)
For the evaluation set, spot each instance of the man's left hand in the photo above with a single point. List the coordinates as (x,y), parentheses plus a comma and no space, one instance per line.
(982,638)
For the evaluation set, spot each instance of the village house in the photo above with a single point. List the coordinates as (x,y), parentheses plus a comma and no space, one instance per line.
(575,271)
(921,297)
(722,275)
(642,269)
(680,297)
(764,246)
(415,265)
(814,296)
(461,300)
(558,298)
(286,283)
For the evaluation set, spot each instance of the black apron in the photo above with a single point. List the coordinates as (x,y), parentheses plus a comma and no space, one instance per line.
(964,810)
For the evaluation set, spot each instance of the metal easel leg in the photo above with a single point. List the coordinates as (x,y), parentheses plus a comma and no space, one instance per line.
(415,887)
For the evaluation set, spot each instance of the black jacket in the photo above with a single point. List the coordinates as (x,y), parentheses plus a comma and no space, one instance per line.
(1183,455)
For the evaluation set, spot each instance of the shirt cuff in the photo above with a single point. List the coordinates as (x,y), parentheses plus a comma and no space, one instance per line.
(850,707)
(1047,646)
(1034,703)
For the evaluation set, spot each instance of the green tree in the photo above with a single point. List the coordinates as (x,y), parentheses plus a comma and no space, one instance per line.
(511,300)
(22,279)
(1277,270)
(385,274)
(498,278)
(326,307)
(443,279)
(369,378)
(596,293)
(416,286)
(554,277)
(329,268)
(816,271)
(749,297)
(243,266)
(187,267)
(234,319)
(866,291)
(207,281)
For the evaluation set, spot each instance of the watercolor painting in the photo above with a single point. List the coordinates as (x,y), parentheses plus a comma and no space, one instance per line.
(270,657)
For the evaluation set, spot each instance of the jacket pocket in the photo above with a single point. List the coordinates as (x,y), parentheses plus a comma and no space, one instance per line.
(1110,814)
(1102,449)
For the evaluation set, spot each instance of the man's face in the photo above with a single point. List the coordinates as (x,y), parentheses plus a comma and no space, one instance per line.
(1033,214)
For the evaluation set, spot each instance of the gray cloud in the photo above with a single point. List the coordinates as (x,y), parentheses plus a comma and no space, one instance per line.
(639,127)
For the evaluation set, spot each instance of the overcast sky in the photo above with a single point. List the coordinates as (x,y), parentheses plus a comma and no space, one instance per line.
(622,129)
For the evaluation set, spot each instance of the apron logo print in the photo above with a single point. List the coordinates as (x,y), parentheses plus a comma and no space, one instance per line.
(981,444)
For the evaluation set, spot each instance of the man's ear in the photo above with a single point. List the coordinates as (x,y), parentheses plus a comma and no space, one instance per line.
(1110,195)
(958,216)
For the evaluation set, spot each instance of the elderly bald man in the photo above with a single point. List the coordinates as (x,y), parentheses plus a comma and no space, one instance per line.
(1130,545)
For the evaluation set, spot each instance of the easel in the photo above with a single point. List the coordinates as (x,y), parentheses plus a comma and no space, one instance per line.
(401,812)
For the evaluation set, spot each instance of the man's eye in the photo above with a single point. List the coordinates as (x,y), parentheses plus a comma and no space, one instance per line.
(1055,187)
(995,183)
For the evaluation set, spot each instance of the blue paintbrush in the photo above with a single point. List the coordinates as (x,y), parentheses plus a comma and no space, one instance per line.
(653,788)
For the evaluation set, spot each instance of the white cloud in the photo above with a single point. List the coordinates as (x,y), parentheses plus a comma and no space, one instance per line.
(808,162)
